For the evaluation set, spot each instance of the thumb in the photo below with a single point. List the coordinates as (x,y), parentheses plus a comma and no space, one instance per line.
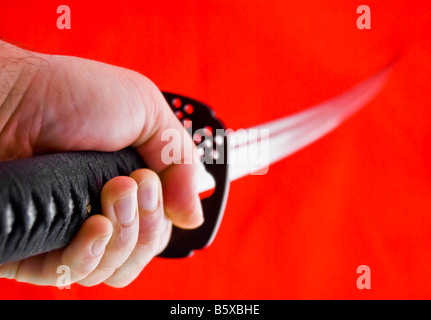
(167,148)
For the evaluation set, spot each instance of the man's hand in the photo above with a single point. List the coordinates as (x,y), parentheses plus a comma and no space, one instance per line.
(58,103)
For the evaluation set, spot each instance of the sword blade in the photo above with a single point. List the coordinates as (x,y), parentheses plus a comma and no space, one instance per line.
(253,153)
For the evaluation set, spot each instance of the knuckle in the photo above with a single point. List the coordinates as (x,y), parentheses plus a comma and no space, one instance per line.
(118,283)
(125,238)
(83,267)
(143,173)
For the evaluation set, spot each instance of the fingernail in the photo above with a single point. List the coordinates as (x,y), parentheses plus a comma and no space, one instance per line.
(148,195)
(99,246)
(125,209)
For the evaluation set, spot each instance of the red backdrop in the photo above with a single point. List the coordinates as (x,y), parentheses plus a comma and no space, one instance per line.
(361,195)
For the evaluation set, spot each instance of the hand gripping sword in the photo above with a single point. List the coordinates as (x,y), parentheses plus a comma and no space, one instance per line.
(45,199)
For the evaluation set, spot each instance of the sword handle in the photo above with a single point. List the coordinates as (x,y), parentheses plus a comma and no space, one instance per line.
(45,199)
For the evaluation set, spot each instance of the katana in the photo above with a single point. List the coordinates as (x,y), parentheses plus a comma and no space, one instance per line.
(45,199)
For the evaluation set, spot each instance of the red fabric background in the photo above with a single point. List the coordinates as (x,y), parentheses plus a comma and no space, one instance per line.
(361,195)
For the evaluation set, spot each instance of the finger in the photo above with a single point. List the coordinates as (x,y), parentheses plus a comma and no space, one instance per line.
(182,204)
(79,258)
(153,228)
(119,205)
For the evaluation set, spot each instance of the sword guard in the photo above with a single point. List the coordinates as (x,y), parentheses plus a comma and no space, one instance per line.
(184,242)
(45,199)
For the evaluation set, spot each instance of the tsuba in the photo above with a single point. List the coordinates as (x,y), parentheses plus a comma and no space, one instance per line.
(207,132)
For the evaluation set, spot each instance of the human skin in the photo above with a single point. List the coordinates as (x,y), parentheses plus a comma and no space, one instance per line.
(51,103)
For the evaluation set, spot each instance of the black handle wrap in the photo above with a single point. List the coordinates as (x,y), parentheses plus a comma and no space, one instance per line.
(44,200)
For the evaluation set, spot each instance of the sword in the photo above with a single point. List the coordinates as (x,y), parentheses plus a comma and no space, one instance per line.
(44,200)
(292,133)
